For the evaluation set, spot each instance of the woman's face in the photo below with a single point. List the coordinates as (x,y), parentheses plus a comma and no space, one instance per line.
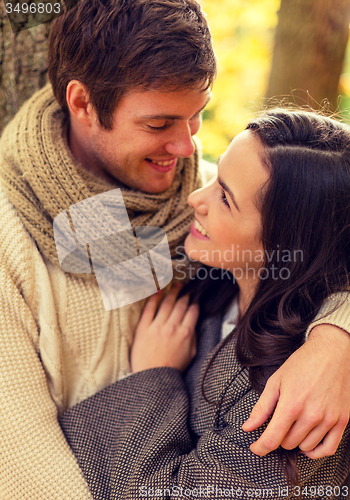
(226,211)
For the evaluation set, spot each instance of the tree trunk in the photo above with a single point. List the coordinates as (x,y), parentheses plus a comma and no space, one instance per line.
(23,65)
(310,44)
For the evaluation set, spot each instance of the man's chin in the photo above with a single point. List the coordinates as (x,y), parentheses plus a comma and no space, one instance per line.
(155,190)
(156,186)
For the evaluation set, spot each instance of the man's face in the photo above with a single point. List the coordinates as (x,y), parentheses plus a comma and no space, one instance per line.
(151,130)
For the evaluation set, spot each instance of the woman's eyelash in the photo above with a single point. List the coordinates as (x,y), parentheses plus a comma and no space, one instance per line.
(224,199)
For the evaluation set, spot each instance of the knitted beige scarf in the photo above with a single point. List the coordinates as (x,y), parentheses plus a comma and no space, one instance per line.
(41,178)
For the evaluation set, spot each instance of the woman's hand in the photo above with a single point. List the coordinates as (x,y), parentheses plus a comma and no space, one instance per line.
(165,337)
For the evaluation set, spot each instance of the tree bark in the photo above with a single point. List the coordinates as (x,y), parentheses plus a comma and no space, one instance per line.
(23,65)
(310,44)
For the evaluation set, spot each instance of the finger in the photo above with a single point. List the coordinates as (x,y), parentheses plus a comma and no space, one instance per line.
(329,444)
(193,344)
(150,309)
(167,305)
(263,408)
(190,318)
(306,432)
(179,310)
(274,433)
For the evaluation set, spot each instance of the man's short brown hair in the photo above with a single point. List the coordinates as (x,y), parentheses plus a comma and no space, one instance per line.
(114,46)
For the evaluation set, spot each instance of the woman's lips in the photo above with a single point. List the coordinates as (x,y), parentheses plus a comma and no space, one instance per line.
(197,234)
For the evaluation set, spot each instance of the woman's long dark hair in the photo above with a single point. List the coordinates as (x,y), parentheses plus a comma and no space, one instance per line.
(305,213)
(305,210)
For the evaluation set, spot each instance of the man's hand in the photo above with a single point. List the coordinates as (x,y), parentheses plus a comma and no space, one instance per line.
(165,337)
(310,394)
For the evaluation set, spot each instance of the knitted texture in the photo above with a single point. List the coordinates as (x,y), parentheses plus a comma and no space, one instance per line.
(334,311)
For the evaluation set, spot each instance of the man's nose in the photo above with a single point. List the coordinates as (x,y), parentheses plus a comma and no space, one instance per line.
(181,143)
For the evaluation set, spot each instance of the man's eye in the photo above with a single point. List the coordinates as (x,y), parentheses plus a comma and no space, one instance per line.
(157,127)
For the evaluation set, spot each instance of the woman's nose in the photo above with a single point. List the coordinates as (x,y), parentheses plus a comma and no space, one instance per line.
(199,200)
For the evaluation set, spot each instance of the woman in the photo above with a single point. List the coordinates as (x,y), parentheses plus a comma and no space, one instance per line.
(278,218)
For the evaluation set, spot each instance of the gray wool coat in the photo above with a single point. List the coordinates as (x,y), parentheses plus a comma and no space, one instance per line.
(154,435)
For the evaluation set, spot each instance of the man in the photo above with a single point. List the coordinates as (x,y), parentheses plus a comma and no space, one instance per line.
(130,80)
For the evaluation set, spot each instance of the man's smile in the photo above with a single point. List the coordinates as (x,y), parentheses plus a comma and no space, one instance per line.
(162,166)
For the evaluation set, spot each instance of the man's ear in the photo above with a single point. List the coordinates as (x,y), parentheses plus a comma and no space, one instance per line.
(78,102)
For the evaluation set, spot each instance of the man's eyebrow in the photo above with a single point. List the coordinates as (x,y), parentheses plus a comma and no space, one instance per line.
(171,117)
(226,188)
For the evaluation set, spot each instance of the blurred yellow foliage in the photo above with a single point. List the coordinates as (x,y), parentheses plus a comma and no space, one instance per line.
(243,35)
